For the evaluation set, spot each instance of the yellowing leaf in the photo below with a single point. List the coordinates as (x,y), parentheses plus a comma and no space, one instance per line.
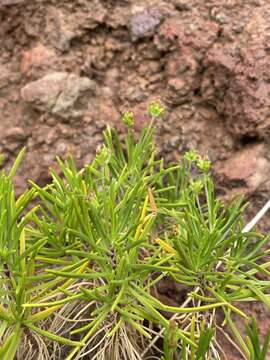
(167,247)
(139,228)
(152,201)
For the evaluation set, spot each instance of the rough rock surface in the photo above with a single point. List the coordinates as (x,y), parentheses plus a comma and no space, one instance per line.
(144,23)
(38,58)
(236,78)
(245,171)
(57,93)
(67,68)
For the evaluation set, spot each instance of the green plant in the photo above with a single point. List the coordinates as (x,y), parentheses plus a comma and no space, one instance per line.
(104,216)
(79,269)
(213,256)
(256,350)
(17,276)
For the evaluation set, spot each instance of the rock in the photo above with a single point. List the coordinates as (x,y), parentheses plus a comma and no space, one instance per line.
(63,26)
(132,89)
(179,91)
(108,109)
(182,72)
(39,57)
(246,170)
(44,92)
(74,86)
(98,114)
(187,40)
(149,68)
(57,92)
(61,148)
(93,14)
(237,79)
(118,17)
(13,138)
(60,30)
(51,136)
(4,76)
(194,33)
(51,121)
(144,23)
(10,2)
(182,5)
(15,133)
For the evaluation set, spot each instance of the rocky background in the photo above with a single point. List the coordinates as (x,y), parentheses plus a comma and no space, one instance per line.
(69,67)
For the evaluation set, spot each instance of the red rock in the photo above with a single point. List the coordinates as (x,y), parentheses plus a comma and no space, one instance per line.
(93,14)
(38,57)
(60,29)
(190,38)
(245,170)
(118,16)
(237,80)
(5,75)
(62,26)
(12,138)
(198,34)
(178,90)
(15,133)
(108,110)
(149,68)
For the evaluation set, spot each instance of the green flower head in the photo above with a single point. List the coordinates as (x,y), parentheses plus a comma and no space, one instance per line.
(128,118)
(191,156)
(196,187)
(155,109)
(204,164)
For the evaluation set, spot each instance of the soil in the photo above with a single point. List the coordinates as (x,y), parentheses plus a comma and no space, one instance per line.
(70,67)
